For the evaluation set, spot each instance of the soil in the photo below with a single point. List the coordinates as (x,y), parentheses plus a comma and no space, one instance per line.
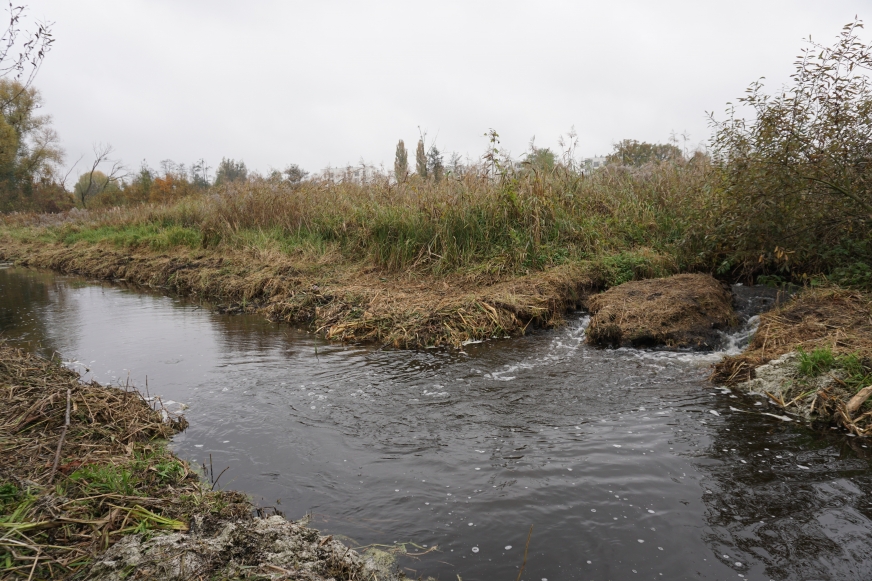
(682,311)
(340,301)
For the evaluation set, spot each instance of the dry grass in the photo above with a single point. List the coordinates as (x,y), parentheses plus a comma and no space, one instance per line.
(414,264)
(411,265)
(517,221)
(836,318)
(113,474)
(350,302)
(831,330)
(682,311)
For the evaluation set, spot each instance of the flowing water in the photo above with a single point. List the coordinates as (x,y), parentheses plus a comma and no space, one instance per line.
(627,463)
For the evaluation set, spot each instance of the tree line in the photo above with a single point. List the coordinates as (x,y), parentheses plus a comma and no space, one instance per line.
(792,177)
(31,166)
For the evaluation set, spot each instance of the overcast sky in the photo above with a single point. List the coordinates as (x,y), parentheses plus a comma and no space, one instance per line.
(325,82)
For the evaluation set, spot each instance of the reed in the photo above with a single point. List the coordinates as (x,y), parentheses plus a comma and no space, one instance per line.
(523,220)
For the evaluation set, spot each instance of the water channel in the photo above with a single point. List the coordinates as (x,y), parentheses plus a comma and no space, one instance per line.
(627,463)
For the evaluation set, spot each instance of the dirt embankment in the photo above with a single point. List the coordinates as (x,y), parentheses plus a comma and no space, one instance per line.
(812,356)
(348,302)
(85,468)
(682,311)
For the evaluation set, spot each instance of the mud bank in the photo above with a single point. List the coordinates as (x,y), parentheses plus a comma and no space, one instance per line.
(340,301)
(812,357)
(682,311)
(84,468)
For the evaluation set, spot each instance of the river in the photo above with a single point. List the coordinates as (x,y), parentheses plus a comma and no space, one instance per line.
(627,463)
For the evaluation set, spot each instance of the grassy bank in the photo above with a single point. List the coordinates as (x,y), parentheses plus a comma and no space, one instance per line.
(81,466)
(429,262)
(413,265)
(474,224)
(89,490)
(812,356)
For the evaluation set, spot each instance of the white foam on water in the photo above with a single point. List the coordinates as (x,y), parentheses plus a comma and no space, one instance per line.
(732,343)
(558,349)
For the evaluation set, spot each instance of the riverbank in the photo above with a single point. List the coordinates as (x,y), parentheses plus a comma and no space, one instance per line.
(85,468)
(417,264)
(812,357)
(338,300)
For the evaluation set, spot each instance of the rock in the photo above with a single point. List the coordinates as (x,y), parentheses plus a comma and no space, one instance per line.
(780,379)
(682,311)
(262,548)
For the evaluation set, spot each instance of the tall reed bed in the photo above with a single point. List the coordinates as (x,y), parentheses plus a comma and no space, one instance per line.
(522,220)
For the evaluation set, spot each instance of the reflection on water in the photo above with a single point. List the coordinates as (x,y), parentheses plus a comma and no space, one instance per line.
(627,463)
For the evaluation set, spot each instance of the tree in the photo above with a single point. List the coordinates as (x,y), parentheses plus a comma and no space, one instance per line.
(637,153)
(540,158)
(93,186)
(421,160)
(32,49)
(294,174)
(401,162)
(29,150)
(455,162)
(798,174)
(29,147)
(435,165)
(230,171)
(169,188)
(200,174)
(139,188)
(117,172)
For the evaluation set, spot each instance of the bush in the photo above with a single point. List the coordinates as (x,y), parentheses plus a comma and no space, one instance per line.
(797,177)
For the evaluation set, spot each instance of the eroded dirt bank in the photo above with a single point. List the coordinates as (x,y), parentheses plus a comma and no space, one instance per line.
(812,357)
(682,311)
(337,300)
(84,468)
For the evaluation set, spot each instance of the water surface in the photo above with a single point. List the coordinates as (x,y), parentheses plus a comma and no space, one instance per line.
(627,463)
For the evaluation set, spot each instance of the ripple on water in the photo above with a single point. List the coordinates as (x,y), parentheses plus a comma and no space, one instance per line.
(594,447)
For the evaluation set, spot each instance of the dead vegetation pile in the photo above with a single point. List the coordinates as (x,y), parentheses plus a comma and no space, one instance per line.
(52,423)
(348,302)
(84,467)
(811,356)
(682,311)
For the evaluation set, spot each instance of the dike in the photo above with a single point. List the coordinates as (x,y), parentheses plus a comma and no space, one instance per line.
(343,302)
(684,311)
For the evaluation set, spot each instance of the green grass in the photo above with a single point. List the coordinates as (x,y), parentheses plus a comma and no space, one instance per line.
(9,493)
(106,479)
(816,363)
(515,223)
(856,372)
(154,236)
